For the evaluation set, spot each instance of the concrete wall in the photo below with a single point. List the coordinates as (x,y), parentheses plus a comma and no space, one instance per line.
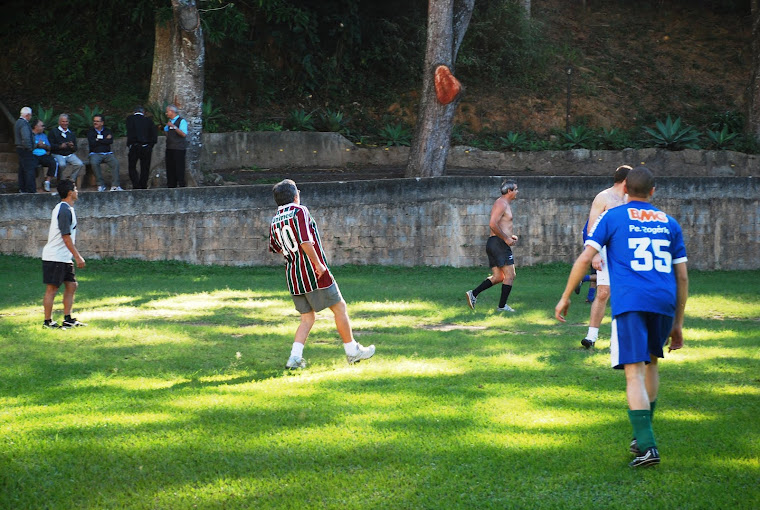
(301,149)
(408,222)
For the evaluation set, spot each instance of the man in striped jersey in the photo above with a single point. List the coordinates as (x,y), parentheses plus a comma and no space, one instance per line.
(293,232)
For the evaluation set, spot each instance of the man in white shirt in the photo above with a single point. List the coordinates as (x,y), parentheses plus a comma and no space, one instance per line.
(57,264)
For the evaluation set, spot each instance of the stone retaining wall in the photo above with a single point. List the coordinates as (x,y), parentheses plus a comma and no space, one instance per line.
(407,222)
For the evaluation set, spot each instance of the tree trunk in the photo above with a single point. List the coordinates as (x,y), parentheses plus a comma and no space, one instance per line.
(179,60)
(447,23)
(525,4)
(753,99)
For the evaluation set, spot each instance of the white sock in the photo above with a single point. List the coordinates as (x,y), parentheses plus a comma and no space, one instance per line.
(351,347)
(593,334)
(297,350)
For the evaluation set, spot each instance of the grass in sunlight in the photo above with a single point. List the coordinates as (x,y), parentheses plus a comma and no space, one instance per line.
(175,395)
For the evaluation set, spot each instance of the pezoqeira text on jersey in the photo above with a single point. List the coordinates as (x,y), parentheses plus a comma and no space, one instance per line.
(648,230)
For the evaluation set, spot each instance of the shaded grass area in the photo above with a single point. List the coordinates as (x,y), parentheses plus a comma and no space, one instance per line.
(175,395)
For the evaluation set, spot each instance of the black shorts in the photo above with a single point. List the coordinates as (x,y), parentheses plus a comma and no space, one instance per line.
(55,273)
(499,254)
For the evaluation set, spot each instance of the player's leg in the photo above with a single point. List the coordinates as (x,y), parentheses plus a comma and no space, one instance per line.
(506,287)
(69,289)
(597,314)
(47,303)
(342,322)
(302,333)
(355,351)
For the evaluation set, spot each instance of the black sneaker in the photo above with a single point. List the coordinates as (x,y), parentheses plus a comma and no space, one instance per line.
(634,447)
(588,344)
(72,323)
(578,288)
(52,325)
(651,457)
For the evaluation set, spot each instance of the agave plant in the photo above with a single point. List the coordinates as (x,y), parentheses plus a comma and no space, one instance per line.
(579,137)
(333,121)
(514,141)
(672,136)
(299,120)
(158,112)
(79,123)
(46,116)
(722,139)
(211,116)
(395,134)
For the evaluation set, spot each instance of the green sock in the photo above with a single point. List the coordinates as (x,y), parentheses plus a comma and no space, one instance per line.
(652,405)
(642,428)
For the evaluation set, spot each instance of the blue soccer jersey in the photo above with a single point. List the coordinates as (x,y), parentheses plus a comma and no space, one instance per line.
(642,244)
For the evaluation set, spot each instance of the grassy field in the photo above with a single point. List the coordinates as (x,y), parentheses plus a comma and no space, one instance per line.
(175,396)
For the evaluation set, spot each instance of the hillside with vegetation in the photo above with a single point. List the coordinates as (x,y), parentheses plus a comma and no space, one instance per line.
(355,67)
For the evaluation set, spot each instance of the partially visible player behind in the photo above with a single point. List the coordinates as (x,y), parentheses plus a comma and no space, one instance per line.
(604,200)
(498,249)
(293,232)
(57,264)
(649,284)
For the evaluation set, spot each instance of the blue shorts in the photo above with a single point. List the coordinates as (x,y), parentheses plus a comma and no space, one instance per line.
(637,335)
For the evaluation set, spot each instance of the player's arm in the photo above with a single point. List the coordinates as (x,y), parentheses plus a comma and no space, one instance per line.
(598,206)
(580,267)
(73,249)
(682,294)
(308,249)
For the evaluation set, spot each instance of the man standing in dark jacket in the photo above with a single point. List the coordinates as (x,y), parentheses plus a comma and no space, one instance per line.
(142,135)
(24,138)
(176,145)
(100,139)
(64,148)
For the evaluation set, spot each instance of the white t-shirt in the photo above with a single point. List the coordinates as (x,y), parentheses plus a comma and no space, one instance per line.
(63,221)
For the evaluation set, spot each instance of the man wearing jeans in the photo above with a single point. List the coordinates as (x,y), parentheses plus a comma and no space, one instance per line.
(100,139)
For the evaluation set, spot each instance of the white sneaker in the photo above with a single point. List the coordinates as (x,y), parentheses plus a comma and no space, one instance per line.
(361,353)
(470,299)
(295,362)
(506,308)
(101,188)
(116,188)
(46,185)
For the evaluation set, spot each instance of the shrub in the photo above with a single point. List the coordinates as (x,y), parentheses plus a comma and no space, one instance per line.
(670,135)
(722,139)
(299,120)
(79,123)
(579,137)
(211,116)
(395,134)
(514,141)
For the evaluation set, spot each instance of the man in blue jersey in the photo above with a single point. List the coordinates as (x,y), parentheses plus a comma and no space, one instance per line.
(57,264)
(649,286)
(293,232)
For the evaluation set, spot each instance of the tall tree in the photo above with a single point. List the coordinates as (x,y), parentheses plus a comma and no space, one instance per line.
(753,101)
(179,59)
(447,23)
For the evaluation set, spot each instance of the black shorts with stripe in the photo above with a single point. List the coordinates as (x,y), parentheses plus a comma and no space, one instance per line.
(499,254)
(55,273)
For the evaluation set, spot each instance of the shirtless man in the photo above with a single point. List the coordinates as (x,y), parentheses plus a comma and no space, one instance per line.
(607,199)
(500,258)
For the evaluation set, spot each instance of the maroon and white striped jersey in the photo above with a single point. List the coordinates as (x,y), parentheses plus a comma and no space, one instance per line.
(292,226)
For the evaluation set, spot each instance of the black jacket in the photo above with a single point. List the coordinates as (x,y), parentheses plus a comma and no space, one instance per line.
(100,145)
(141,131)
(56,139)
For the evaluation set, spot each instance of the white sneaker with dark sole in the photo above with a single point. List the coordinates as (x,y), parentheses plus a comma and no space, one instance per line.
(505,308)
(471,300)
(361,353)
(295,362)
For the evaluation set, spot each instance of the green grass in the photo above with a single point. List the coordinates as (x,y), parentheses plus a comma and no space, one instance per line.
(175,396)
